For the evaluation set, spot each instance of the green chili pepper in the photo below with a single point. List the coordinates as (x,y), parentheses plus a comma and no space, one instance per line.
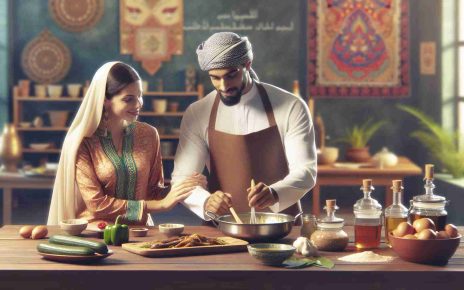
(116,234)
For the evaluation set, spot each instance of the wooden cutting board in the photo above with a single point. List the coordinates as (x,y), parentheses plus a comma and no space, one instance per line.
(232,245)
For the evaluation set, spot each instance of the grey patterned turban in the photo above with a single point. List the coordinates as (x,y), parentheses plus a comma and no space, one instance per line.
(225,49)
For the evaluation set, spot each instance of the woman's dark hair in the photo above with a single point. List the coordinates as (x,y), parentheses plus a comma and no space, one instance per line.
(119,77)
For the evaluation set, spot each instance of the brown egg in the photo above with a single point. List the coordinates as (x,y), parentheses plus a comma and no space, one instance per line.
(26,231)
(411,237)
(451,230)
(403,229)
(422,224)
(442,235)
(39,232)
(427,234)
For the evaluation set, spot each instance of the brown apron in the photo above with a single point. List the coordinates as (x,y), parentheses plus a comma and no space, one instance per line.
(236,159)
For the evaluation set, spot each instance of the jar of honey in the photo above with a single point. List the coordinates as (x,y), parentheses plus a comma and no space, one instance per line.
(429,205)
(368,219)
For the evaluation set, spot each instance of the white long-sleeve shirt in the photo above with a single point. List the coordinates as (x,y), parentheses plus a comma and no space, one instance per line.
(295,128)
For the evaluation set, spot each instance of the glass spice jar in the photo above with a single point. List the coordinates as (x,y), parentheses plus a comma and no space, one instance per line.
(330,235)
(309,225)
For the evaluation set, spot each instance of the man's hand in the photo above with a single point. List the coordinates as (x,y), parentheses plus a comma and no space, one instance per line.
(219,203)
(261,196)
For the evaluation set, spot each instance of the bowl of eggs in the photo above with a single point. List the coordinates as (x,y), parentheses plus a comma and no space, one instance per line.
(421,243)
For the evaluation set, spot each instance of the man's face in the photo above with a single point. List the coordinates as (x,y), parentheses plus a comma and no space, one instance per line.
(229,82)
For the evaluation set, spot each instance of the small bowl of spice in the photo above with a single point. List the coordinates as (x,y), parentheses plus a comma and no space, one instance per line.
(138,232)
(171,230)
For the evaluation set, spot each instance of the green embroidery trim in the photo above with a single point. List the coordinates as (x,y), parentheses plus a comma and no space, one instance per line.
(111,153)
(134,208)
(131,167)
(125,167)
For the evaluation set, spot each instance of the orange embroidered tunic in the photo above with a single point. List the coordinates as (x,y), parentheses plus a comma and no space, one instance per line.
(112,184)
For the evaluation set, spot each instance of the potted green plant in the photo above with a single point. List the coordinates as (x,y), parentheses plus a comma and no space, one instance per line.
(357,138)
(442,144)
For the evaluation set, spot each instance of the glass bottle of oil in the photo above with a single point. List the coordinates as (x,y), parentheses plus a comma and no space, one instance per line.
(368,219)
(429,205)
(397,212)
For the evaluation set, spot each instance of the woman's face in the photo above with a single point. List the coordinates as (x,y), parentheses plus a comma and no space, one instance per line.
(126,104)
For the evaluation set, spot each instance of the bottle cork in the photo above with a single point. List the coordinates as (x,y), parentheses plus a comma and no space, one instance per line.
(367,183)
(296,87)
(397,185)
(331,203)
(429,171)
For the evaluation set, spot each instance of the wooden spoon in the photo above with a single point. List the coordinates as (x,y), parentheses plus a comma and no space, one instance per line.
(236,217)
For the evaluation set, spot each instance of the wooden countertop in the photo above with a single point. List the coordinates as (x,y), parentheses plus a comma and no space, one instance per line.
(22,267)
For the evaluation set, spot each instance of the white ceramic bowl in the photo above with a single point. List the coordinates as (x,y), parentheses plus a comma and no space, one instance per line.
(74,226)
(55,91)
(40,146)
(171,229)
(73,90)
(138,232)
(25,124)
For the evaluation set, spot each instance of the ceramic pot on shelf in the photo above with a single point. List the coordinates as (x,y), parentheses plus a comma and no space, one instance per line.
(358,155)
(385,158)
(327,155)
(11,151)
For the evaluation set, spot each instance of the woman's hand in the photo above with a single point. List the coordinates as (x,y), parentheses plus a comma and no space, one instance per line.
(179,192)
(200,178)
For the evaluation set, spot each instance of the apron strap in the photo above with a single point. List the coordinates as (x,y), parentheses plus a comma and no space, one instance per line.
(264,99)
(267,104)
(212,117)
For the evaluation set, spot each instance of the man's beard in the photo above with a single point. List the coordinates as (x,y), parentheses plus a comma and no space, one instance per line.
(232,100)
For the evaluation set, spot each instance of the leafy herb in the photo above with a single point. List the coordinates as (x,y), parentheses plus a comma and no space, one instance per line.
(443,145)
(297,262)
(359,136)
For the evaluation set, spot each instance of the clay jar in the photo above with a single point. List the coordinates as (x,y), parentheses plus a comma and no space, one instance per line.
(358,155)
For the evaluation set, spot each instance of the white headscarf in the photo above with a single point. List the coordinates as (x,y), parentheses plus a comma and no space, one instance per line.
(66,197)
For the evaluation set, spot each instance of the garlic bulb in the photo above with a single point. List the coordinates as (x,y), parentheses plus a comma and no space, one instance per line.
(305,247)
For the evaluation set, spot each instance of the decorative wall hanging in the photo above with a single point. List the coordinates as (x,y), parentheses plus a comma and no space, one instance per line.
(427,57)
(358,48)
(46,59)
(76,15)
(152,31)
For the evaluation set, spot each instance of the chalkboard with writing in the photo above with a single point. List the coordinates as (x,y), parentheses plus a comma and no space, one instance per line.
(274,27)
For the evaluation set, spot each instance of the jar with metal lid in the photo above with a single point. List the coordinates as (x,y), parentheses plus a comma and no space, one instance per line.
(330,235)
(429,205)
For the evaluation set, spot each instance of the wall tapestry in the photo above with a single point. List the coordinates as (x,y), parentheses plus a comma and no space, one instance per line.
(76,15)
(152,31)
(358,48)
(46,59)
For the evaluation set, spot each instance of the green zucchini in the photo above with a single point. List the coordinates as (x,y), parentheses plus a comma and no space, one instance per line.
(64,250)
(98,247)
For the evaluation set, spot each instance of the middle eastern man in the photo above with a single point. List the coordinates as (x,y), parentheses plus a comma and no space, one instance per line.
(244,130)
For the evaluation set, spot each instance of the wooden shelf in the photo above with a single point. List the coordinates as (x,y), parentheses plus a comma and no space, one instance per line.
(172,94)
(167,114)
(42,129)
(51,150)
(36,99)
